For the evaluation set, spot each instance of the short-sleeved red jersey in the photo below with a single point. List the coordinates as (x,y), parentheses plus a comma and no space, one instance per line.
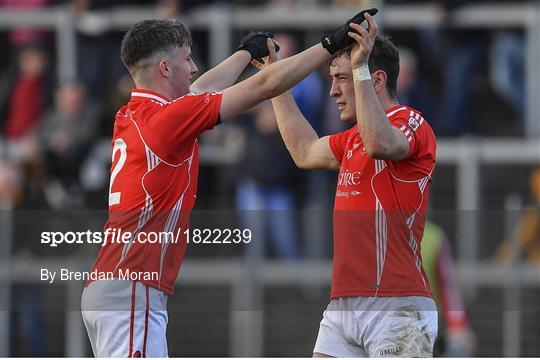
(153,182)
(379,212)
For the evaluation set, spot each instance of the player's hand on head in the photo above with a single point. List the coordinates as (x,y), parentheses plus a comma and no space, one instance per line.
(339,38)
(273,55)
(364,39)
(255,42)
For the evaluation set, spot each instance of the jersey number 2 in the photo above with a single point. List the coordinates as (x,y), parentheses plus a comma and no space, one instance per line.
(119,145)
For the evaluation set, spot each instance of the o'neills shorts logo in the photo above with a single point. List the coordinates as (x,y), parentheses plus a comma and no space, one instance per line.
(391,351)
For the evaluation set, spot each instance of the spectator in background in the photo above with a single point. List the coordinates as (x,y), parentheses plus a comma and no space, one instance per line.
(466,57)
(98,64)
(463,61)
(411,88)
(23,97)
(265,192)
(24,91)
(524,241)
(461,55)
(309,93)
(455,336)
(22,100)
(507,69)
(65,135)
(271,188)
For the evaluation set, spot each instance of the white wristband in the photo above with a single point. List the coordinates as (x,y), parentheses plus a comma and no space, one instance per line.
(361,73)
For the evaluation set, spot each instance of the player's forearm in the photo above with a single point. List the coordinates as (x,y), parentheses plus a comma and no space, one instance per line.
(271,81)
(295,130)
(223,75)
(376,131)
(284,74)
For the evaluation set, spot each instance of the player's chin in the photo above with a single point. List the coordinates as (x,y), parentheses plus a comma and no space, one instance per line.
(346,117)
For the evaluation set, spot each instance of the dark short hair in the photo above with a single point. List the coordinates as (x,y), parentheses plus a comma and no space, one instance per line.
(385,57)
(149,37)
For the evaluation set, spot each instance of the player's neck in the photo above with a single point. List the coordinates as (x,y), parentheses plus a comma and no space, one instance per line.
(154,87)
(388,102)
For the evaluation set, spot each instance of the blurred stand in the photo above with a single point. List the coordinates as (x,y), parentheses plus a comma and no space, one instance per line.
(22,101)
(65,137)
(507,70)
(309,96)
(269,179)
(99,65)
(23,98)
(474,64)
(23,35)
(523,242)
(463,59)
(412,89)
(265,193)
(455,337)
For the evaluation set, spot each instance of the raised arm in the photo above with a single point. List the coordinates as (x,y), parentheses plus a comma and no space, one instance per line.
(306,148)
(281,76)
(381,139)
(271,81)
(224,75)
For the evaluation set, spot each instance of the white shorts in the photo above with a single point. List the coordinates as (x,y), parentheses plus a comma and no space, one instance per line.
(125,318)
(378,327)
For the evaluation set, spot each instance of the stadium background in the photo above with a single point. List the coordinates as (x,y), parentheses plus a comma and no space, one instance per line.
(477,79)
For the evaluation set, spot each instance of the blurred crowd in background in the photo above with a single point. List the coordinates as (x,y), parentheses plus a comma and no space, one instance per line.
(55,135)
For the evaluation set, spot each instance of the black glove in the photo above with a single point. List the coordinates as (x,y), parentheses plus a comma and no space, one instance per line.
(339,39)
(255,43)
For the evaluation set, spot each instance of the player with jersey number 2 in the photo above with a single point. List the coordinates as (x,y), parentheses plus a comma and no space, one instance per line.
(155,167)
(381,303)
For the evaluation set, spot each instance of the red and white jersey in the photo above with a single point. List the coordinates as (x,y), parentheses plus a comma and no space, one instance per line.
(153,182)
(379,212)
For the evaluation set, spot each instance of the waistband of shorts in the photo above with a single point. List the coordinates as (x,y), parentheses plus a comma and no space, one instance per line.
(372,303)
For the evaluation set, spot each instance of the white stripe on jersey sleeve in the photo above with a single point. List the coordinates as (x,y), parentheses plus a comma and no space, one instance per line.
(396,111)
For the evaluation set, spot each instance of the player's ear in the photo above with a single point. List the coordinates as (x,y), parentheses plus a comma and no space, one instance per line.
(379,80)
(164,68)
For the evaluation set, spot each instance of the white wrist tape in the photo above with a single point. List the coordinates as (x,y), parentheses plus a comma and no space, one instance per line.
(361,73)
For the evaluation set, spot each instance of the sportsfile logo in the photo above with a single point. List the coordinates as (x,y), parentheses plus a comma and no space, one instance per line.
(118,236)
(112,236)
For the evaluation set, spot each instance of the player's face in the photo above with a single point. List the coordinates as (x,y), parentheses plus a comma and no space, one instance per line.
(342,89)
(183,69)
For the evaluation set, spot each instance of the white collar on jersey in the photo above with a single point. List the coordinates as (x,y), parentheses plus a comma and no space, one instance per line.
(150,96)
